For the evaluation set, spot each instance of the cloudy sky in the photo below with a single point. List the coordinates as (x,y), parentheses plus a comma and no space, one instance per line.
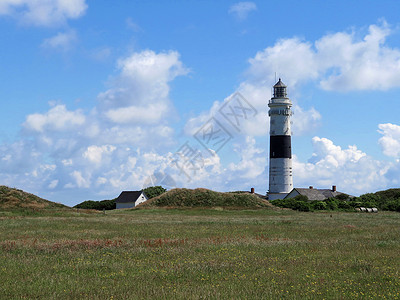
(104,96)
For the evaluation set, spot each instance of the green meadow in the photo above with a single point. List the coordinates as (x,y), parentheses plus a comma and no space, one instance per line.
(198,254)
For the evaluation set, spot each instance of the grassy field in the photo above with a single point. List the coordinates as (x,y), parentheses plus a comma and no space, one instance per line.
(197,254)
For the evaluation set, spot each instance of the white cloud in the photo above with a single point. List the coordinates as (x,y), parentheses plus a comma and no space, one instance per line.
(57,118)
(304,120)
(132,169)
(148,66)
(360,65)
(351,170)
(140,92)
(150,114)
(18,157)
(95,153)
(136,109)
(253,160)
(256,93)
(242,9)
(53,184)
(153,135)
(330,155)
(62,41)
(43,12)
(291,58)
(6,157)
(390,142)
(193,124)
(67,162)
(248,169)
(114,146)
(80,180)
(338,61)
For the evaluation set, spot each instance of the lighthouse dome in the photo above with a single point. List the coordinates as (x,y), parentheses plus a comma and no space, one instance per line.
(279,84)
(280,89)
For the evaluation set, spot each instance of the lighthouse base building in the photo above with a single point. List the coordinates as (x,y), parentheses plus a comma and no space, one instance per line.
(280,156)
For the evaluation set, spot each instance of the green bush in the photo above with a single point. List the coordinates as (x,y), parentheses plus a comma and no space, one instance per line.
(370,200)
(392,205)
(154,191)
(332,203)
(319,205)
(389,194)
(304,206)
(354,203)
(383,200)
(302,203)
(344,205)
(98,205)
(342,197)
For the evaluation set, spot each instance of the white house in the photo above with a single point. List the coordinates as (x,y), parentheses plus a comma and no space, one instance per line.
(129,199)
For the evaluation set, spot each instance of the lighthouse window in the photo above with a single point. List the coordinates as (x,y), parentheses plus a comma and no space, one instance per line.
(280,92)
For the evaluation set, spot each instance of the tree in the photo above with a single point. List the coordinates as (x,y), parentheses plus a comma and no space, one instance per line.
(154,191)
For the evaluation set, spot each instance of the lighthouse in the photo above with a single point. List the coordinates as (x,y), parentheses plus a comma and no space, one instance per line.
(280,148)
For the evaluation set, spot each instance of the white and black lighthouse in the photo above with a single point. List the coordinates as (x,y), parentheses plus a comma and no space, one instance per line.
(280,148)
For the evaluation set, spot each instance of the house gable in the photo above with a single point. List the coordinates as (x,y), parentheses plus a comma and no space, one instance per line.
(142,198)
(292,194)
(130,199)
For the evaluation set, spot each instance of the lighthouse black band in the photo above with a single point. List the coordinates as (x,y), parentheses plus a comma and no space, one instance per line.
(280,146)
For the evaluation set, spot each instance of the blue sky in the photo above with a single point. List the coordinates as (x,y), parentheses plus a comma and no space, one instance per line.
(100,97)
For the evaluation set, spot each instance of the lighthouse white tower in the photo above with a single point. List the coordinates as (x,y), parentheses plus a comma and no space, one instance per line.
(280,156)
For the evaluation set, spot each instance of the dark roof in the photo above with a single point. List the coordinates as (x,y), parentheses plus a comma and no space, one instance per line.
(128,196)
(317,194)
(279,84)
(261,196)
(265,197)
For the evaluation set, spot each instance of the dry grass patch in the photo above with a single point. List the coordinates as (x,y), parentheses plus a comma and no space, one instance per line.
(11,198)
(200,197)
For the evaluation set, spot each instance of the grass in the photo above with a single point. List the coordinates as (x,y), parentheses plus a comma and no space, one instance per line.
(184,198)
(200,253)
(14,199)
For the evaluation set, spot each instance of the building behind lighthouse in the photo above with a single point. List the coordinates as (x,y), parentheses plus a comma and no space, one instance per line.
(280,156)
